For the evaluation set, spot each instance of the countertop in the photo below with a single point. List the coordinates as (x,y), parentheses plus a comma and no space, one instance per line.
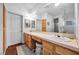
(62,41)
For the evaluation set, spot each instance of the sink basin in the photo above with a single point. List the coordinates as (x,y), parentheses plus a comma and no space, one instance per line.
(56,37)
(64,39)
(59,38)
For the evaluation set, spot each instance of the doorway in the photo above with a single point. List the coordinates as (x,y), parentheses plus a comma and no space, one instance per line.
(14,29)
(56,21)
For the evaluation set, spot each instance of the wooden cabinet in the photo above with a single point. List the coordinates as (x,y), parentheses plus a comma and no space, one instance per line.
(29,42)
(37,39)
(25,38)
(48,48)
(64,51)
(53,49)
(47,51)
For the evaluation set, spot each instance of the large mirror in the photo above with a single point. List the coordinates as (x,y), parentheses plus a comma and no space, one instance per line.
(29,24)
(59,19)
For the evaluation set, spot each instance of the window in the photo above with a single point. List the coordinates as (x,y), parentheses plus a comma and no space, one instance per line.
(68,22)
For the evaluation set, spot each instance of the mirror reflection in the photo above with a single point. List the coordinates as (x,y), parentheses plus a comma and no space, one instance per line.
(59,19)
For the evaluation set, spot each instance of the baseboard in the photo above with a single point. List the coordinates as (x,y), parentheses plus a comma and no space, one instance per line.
(16,44)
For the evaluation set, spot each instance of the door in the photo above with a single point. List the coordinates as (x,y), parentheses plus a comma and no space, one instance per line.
(14,29)
(39,25)
(56,25)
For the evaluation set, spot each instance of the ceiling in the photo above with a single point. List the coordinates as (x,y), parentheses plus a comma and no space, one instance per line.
(22,8)
(41,8)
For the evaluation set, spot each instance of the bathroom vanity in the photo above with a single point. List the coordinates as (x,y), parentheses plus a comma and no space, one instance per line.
(51,44)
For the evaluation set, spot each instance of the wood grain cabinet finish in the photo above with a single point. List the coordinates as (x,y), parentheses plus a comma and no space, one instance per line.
(47,51)
(64,51)
(25,38)
(48,48)
(53,49)
(37,39)
(29,42)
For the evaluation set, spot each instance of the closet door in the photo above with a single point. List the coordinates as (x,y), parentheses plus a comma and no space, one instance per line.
(44,25)
(14,29)
(1,28)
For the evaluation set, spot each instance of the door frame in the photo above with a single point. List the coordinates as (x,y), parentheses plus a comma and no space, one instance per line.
(5,27)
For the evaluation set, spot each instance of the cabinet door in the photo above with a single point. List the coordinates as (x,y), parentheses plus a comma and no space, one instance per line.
(47,52)
(64,51)
(30,42)
(48,48)
(47,45)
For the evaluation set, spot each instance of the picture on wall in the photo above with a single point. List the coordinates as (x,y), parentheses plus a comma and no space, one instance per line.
(33,24)
(27,23)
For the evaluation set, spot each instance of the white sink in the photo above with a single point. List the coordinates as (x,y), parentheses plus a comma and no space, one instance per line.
(60,38)
(54,37)
(64,39)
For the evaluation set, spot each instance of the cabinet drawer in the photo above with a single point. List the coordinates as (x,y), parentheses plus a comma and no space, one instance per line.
(36,38)
(64,51)
(47,45)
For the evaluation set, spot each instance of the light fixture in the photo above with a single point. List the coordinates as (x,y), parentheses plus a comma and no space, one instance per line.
(56,4)
(31,16)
